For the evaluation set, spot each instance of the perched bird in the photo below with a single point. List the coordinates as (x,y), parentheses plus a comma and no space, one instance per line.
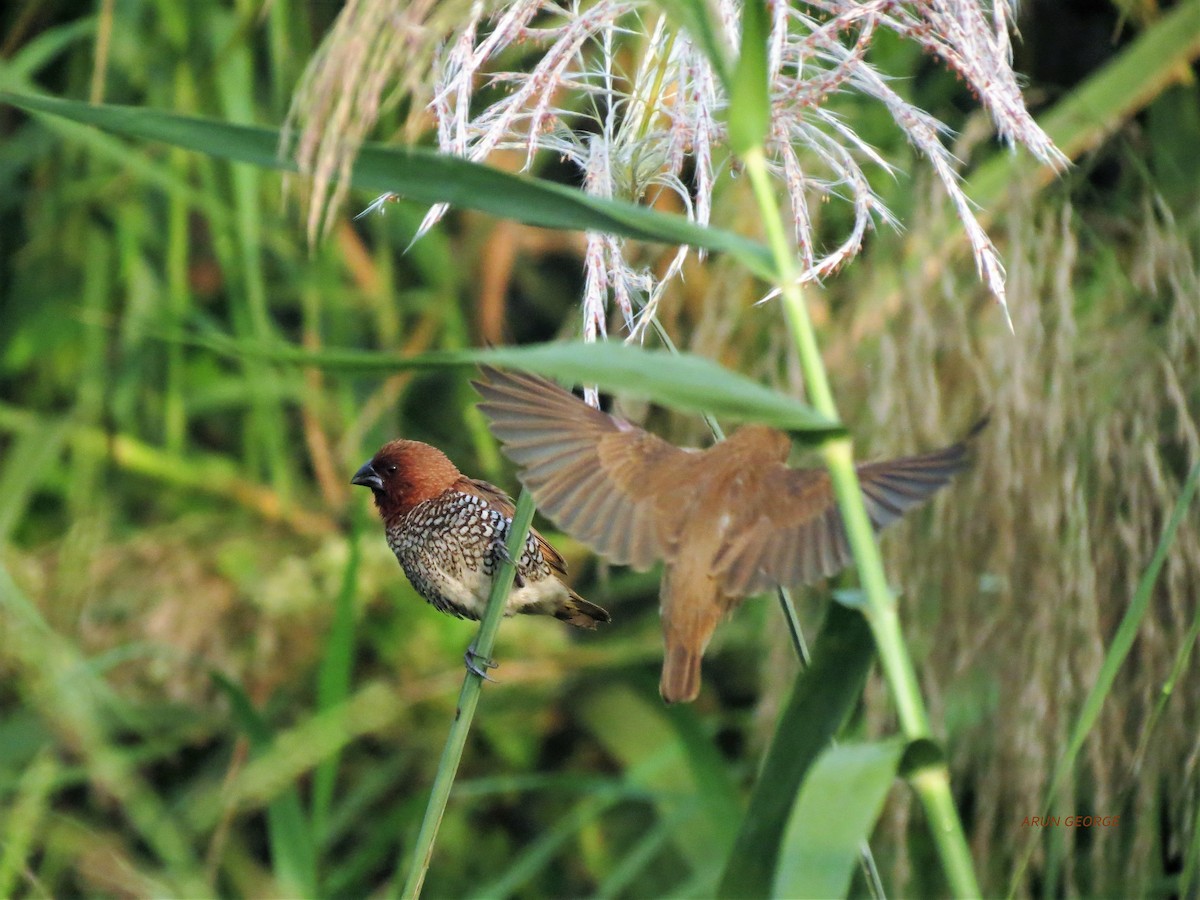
(729,521)
(449,531)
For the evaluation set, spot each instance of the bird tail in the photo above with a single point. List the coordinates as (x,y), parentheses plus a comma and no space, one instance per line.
(574,610)
(680,673)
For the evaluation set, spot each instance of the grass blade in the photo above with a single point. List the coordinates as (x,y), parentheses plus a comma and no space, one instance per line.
(542,851)
(26,813)
(683,381)
(834,814)
(1089,114)
(822,698)
(699,19)
(666,752)
(749,101)
(292,849)
(417,174)
(26,461)
(1126,634)
(333,679)
(75,702)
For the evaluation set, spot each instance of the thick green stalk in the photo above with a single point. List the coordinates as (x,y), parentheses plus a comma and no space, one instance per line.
(467,700)
(933,785)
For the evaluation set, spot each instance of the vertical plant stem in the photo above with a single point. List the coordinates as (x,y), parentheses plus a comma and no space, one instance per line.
(933,786)
(467,700)
(177,308)
(336,673)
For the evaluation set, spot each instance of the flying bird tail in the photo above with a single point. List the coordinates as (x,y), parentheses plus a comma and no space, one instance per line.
(680,681)
(691,608)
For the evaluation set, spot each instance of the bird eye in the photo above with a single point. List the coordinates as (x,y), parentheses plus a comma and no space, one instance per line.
(391,469)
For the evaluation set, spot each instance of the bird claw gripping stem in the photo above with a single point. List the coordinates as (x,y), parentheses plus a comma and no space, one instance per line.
(503,555)
(479,665)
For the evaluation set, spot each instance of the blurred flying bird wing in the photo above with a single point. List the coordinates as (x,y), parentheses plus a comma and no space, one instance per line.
(591,473)
(797,536)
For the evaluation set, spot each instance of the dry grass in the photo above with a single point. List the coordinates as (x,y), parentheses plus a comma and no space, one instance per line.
(1095,424)
(379,52)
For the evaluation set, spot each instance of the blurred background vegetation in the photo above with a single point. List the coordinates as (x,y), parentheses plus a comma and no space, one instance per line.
(185,573)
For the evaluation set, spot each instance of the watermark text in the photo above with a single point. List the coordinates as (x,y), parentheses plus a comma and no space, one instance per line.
(1071,822)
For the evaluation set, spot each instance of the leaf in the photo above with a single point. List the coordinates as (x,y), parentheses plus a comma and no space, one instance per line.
(683,381)
(72,700)
(418,174)
(27,460)
(699,19)
(823,696)
(1114,658)
(336,671)
(749,98)
(834,814)
(292,849)
(28,806)
(666,751)
(545,848)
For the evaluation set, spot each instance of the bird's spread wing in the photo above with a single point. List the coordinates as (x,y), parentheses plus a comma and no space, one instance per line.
(588,471)
(797,535)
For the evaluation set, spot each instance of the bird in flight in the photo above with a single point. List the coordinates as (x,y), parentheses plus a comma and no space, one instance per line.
(728,521)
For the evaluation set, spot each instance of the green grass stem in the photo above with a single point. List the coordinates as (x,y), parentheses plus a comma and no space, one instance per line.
(289,830)
(337,668)
(933,787)
(468,699)
(27,812)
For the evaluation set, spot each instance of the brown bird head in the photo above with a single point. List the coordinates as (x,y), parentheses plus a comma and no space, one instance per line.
(404,474)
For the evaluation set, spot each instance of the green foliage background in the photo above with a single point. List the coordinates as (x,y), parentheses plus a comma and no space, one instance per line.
(215,680)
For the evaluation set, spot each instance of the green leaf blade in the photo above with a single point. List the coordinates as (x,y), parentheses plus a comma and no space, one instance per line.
(749,98)
(292,849)
(822,699)
(699,19)
(682,381)
(418,174)
(834,814)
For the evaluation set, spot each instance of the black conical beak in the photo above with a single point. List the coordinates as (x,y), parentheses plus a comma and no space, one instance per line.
(368,477)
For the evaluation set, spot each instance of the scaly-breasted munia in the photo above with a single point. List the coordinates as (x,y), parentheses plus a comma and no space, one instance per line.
(449,531)
(729,521)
